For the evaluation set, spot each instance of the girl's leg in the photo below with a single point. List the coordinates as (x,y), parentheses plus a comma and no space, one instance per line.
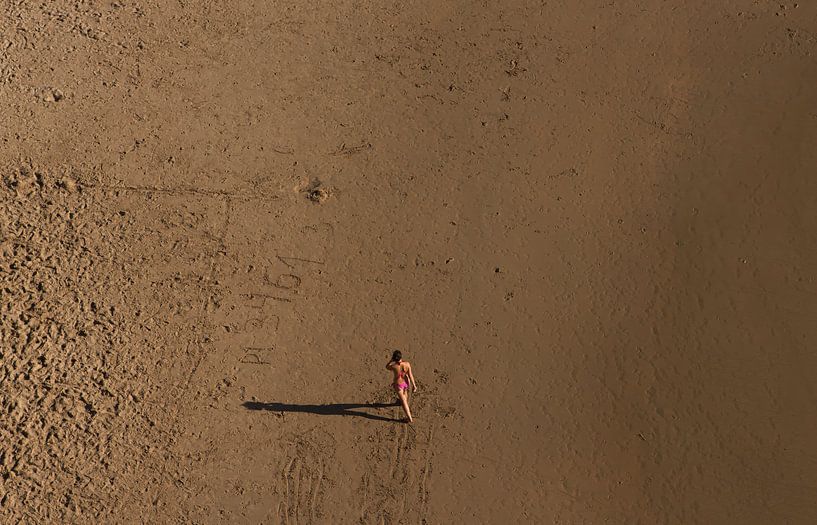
(404,400)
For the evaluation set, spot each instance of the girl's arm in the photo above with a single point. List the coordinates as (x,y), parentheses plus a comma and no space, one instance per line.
(411,377)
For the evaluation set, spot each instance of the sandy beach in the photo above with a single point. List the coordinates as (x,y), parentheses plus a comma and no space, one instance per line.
(589,226)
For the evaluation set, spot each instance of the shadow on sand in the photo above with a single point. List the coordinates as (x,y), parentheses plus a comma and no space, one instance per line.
(337,409)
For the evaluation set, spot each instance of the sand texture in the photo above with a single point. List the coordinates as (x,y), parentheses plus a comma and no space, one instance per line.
(590,227)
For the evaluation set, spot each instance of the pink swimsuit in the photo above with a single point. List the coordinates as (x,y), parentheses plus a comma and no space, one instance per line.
(401,383)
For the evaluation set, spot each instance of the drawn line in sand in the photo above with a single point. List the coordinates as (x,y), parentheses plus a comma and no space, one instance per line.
(265,296)
(395,454)
(285,281)
(252,355)
(314,503)
(299,259)
(365,504)
(294,486)
(254,323)
(351,150)
(287,151)
(302,485)
(243,194)
(285,474)
(423,484)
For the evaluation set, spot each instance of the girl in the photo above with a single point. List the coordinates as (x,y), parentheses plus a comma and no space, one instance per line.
(402,370)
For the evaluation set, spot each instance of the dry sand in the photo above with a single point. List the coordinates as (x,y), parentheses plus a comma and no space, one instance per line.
(589,225)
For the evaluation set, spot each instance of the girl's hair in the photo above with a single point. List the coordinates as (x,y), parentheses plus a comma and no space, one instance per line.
(396,356)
